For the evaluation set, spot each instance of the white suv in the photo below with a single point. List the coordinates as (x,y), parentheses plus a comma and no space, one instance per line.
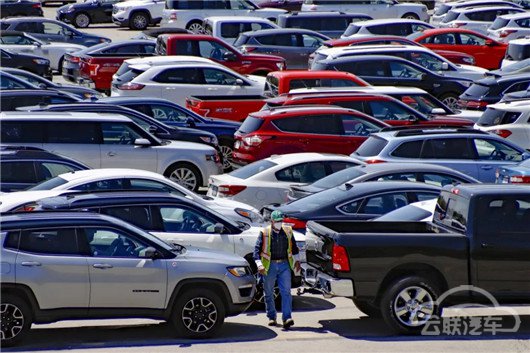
(373,8)
(190,14)
(442,9)
(508,27)
(476,18)
(111,141)
(137,14)
(508,120)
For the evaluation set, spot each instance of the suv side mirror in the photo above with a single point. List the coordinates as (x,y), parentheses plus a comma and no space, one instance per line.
(218,228)
(445,66)
(229,56)
(142,142)
(239,82)
(190,122)
(149,253)
(437,111)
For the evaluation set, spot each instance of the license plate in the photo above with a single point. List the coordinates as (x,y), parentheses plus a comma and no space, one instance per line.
(214,190)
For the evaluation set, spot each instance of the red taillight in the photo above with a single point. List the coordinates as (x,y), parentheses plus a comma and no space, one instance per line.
(131,86)
(255,140)
(173,16)
(473,104)
(340,259)
(231,190)
(506,33)
(520,179)
(294,223)
(74,59)
(503,133)
(457,24)
(248,49)
(374,161)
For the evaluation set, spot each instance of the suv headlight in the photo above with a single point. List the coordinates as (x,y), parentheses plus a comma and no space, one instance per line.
(238,271)
(210,140)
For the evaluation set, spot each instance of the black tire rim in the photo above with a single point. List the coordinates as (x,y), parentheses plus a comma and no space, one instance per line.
(413,306)
(199,315)
(12,321)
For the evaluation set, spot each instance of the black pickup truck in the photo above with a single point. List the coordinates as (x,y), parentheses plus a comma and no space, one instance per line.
(480,236)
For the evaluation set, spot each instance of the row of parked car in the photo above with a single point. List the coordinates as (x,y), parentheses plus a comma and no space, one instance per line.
(356,137)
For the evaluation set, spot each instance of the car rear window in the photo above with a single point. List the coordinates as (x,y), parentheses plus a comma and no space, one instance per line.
(477,90)
(499,23)
(242,39)
(451,15)
(442,10)
(49,184)
(493,117)
(252,169)
(351,30)
(518,52)
(371,147)
(250,124)
(339,178)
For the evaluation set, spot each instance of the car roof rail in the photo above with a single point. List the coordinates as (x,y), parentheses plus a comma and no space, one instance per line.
(413,130)
(295,106)
(20,148)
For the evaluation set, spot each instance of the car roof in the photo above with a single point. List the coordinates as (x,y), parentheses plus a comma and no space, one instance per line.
(28,18)
(290,158)
(37,92)
(520,41)
(384,21)
(124,100)
(483,8)
(333,51)
(515,16)
(167,58)
(57,217)
(468,190)
(280,31)
(366,58)
(513,106)
(493,80)
(407,167)
(449,30)
(108,173)
(324,14)
(375,90)
(297,109)
(310,74)
(32,153)
(409,133)
(62,116)
(235,19)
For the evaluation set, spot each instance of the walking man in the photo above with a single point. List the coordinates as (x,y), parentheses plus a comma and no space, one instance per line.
(276,254)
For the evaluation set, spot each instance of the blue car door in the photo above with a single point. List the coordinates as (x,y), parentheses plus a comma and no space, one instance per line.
(491,155)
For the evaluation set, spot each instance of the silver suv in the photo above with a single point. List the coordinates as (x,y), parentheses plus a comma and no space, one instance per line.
(87,266)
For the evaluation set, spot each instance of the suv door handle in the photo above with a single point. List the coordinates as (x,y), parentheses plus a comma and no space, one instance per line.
(486,167)
(111,154)
(31,263)
(102,266)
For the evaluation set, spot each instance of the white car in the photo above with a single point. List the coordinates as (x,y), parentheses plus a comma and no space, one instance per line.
(392,27)
(268,181)
(138,14)
(102,140)
(135,179)
(124,73)
(228,28)
(20,42)
(179,81)
(419,55)
(476,18)
(518,50)
(190,14)
(508,120)
(508,27)
(444,8)
(374,9)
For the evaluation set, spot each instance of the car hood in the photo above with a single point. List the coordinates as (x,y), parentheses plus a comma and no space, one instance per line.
(184,145)
(260,80)
(197,254)
(66,46)
(223,123)
(444,119)
(254,231)
(132,3)
(471,68)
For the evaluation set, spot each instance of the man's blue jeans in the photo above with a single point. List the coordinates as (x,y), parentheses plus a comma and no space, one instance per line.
(279,272)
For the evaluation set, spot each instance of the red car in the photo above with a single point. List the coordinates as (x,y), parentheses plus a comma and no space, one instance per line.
(487,52)
(381,107)
(302,129)
(219,51)
(453,56)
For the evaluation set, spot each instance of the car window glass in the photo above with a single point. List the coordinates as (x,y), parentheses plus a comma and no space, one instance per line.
(8,83)
(525,23)
(504,216)
(53,28)
(50,241)
(357,126)
(180,219)
(445,39)
(398,29)
(132,49)
(18,131)
(425,196)
(283,40)
(402,70)
(240,5)
(338,166)
(471,39)
(438,179)
(519,86)
(378,29)
(310,41)
(73,132)
(107,184)
(30,27)
(370,68)
(252,169)
(16,40)
(50,170)
(495,150)
(212,50)
(425,60)
(302,173)
(119,134)
(350,207)
(409,149)
(397,177)
(140,216)
(166,113)
(219,77)
(450,148)
(189,75)
(18,172)
(416,27)
(312,124)
(382,204)
(106,242)
(388,110)
(144,184)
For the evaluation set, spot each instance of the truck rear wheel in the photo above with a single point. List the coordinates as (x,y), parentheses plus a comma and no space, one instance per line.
(198,313)
(15,319)
(409,303)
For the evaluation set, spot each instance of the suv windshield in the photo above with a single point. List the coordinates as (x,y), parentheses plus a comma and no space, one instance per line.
(252,169)
(442,10)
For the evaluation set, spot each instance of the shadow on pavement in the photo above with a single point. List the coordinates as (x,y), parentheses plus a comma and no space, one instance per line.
(300,304)
(158,334)
(365,328)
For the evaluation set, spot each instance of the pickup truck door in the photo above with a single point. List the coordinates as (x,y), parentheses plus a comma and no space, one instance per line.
(500,251)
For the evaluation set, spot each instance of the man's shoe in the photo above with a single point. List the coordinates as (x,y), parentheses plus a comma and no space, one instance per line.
(288,323)
(272,322)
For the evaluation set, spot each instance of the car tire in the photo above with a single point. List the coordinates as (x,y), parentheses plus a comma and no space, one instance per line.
(185,174)
(195,27)
(198,313)
(368,308)
(449,99)
(227,149)
(399,312)
(411,16)
(81,20)
(139,20)
(15,319)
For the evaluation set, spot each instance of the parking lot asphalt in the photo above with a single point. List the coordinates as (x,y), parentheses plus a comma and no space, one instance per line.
(321,325)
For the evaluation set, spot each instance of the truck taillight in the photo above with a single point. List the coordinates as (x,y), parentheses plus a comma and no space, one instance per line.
(130,86)
(295,223)
(520,179)
(231,190)
(506,33)
(503,133)
(339,258)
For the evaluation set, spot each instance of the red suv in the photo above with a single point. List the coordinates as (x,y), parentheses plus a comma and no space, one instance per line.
(219,51)
(324,129)
(379,106)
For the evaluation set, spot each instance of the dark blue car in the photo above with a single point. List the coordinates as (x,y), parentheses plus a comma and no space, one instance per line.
(81,15)
(174,115)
